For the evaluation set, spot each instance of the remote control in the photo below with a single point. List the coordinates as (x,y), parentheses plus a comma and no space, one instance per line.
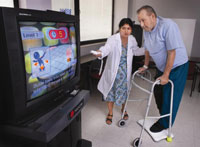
(95,52)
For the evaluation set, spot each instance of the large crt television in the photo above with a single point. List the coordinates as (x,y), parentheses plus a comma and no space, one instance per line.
(40,62)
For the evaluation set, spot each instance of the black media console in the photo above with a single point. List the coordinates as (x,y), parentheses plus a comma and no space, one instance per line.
(61,127)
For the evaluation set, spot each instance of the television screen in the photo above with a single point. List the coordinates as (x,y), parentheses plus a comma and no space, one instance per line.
(50,55)
(40,55)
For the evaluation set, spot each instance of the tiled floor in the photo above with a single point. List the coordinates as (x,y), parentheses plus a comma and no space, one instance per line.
(186,128)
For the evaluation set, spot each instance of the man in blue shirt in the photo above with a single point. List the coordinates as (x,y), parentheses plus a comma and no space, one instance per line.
(163,42)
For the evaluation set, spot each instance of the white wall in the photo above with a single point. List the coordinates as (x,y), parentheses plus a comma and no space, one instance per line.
(187,28)
(35,4)
(55,5)
(120,11)
(22,4)
(185,9)
(131,9)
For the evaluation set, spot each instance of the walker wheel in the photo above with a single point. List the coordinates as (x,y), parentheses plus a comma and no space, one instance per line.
(122,123)
(169,139)
(136,142)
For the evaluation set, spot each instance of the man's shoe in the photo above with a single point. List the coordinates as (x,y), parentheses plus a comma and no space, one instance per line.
(156,127)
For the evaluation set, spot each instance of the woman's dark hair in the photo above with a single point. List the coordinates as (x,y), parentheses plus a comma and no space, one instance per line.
(148,9)
(126,21)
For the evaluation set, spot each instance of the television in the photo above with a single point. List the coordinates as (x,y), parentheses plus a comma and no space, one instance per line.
(40,61)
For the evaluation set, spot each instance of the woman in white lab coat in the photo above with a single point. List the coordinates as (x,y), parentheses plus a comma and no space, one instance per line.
(115,80)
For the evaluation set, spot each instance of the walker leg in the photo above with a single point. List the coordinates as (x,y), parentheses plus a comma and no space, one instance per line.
(146,114)
(136,142)
(169,139)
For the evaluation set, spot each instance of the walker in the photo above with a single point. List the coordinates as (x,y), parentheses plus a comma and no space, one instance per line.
(148,121)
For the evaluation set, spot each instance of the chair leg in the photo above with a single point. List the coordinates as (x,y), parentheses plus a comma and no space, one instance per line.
(199,85)
(90,84)
(193,82)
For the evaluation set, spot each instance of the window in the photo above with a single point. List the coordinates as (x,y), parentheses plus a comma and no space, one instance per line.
(95,19)
(6,3)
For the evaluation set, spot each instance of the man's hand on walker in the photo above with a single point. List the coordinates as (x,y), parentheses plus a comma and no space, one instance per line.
(163,79)
(142,69)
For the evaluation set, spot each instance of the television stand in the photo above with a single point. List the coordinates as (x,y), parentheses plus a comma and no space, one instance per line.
(60,127)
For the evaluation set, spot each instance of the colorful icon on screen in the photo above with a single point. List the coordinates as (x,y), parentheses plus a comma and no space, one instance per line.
(72,34)
(40,58)
(49,38)
(31,37)
(69,54)
(39,61)
(66,39)
(58,34)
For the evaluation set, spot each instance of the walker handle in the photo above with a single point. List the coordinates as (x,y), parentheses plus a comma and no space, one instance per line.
(142,77)
(157,82)
(138,74)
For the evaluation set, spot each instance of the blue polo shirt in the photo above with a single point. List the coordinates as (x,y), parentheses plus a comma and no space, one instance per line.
(165,36)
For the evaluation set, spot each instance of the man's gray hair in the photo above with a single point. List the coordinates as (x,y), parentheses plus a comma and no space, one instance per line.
(148,9)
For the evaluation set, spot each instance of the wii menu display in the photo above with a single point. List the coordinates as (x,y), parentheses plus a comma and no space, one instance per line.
(50,55)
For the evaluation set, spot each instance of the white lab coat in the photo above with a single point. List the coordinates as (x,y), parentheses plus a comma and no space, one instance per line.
(113,49)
